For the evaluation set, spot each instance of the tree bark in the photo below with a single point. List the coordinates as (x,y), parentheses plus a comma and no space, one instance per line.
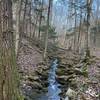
(47,31)
(40,20)
(89,3)
(8,82)
(18,15)
(24,17)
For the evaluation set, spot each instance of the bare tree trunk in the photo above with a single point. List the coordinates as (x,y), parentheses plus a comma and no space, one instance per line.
(40,20)
(8,78)
(47,31)
(89,3)
(18,15)
(79,30)
(1,71)
(97,20)
(35,25)
(75,30)
(30,18)
(24,17)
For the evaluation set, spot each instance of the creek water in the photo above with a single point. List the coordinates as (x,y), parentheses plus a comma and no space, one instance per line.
(53,86)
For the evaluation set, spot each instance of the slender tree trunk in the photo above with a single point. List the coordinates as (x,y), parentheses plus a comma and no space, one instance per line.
(35,26)
(47,31)
(89,3)
(24,17)
(97,20)
(40,20)
(30,18)
(75,31)
(18,15)
(79,29)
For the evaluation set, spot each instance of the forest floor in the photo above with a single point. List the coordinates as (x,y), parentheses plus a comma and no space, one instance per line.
(74,74)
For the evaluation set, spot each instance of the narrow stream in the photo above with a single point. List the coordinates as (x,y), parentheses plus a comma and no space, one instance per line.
(53,87)
(53,90)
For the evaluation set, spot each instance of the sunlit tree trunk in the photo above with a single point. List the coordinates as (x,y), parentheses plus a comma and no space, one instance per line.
(18,15)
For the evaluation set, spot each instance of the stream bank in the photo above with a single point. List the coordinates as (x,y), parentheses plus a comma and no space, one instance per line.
(75,81)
